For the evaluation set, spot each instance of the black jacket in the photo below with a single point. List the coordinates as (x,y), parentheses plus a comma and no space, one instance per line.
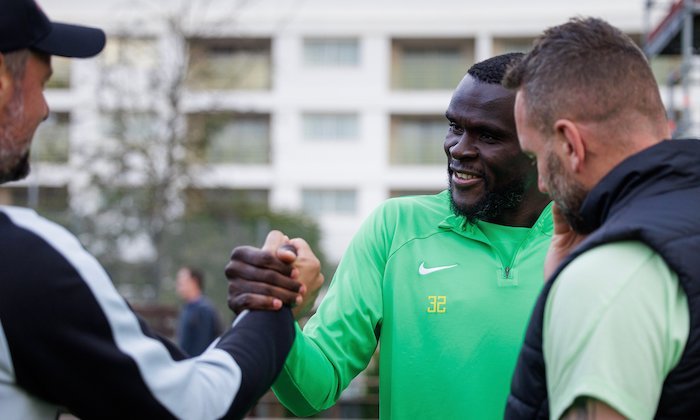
(68,339)
(652,197)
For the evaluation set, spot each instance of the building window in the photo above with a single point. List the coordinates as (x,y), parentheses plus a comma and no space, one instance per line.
(130,52)
(331,52)
(417,140)
(666,69)
(230,138)
(320,126)
(430,64)
(132,127)
(508,45)
(321,201)
(52,139)
(50,202)
(222,202)
(60,78)
(237,63)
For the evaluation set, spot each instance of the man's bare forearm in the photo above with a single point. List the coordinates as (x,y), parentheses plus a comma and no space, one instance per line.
(585,408)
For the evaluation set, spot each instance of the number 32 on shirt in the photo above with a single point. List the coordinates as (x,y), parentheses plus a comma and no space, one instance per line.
(437,304)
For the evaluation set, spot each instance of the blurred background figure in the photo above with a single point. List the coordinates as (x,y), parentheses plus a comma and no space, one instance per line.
(199,323)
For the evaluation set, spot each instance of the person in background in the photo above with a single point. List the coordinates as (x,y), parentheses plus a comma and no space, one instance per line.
(199,323)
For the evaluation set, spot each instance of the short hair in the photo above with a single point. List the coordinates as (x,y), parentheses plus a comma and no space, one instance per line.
(492,70)
(586,69)
(197,275)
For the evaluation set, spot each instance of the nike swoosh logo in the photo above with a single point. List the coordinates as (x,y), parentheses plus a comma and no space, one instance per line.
(422,270)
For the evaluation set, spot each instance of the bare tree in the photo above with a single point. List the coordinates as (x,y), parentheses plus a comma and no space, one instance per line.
(141,172)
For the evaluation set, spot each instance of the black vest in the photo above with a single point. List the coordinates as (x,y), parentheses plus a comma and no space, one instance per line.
(653,197)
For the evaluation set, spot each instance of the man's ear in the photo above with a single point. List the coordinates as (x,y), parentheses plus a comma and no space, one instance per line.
(572,145)
(7,84)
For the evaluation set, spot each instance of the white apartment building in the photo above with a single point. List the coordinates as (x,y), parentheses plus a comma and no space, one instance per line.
(322,106)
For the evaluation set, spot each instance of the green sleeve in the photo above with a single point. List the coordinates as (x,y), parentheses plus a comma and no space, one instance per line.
(339,340)
(616,322)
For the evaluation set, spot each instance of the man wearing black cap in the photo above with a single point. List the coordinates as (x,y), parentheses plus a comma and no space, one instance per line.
(67,339)
(27,41)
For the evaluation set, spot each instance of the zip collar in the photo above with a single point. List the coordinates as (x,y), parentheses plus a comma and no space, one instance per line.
(459,224)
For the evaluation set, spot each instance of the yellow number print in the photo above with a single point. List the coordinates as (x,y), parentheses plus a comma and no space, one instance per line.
(437,304)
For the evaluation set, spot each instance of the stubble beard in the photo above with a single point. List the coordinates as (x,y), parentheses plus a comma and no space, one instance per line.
(492,204)
(568,193)
(14,152)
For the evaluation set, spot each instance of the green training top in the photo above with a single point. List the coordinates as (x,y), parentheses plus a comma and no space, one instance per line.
(448,302)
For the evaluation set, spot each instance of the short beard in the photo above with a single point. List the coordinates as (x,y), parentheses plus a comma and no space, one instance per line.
(492,204)
(14,164)
(567,193)
(19,170)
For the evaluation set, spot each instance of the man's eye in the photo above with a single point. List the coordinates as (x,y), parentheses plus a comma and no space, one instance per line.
(488,137)
(454,128)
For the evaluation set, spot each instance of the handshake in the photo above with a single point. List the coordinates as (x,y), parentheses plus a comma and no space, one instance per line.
(283,272)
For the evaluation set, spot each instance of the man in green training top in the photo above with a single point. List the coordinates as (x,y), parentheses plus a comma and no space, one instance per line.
(445,283)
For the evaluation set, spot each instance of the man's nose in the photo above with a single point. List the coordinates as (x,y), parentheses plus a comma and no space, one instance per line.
(541,184)
(464,148)
(46,110)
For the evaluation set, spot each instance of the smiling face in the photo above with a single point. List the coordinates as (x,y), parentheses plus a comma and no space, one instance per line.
(489,176)
(23,108)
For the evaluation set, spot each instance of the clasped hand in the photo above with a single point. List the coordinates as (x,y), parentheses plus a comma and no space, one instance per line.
(267,278)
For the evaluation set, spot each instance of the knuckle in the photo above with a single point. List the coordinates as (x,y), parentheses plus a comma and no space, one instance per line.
(233,288)
(267,259)
(231,305)
(245,300)
(235,305)
(270,278)
(233,269)
(237,252)
(229,270)
(266,289)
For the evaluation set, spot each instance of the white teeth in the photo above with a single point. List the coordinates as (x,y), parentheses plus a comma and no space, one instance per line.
(465,176)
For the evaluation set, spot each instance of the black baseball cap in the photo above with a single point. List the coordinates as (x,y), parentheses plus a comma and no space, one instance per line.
(24,25)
